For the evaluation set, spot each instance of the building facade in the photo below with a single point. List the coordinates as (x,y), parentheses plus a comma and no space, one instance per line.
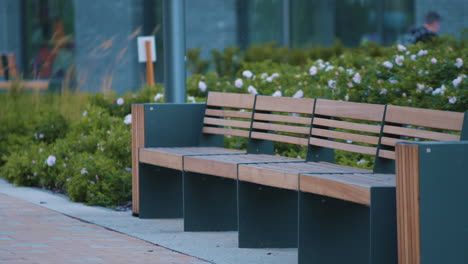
(94,41)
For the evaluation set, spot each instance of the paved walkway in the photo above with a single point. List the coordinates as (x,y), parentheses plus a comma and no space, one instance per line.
(32,234)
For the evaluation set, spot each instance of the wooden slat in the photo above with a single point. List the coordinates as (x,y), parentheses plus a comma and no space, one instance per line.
(274,178)
(419,133)
(424,117)
(29,85)
(226,122)
(228,113)
(282,118)
(231,100)
(345,136)
(162,159)
(280,138)
(392,141)
(282,128)
(138,141)
(225,131)
(285,104)
(388,154)
(347,125)
(342,146)
(332,185)
(408,211)
(361,111)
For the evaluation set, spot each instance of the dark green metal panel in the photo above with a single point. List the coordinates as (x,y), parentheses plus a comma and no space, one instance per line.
(383,226)
(256,146)
(333,231)
(173,125)
(210,203)
(382,165)
(464,133)
(160,192)
(443,181)
(267,216)
(316,153)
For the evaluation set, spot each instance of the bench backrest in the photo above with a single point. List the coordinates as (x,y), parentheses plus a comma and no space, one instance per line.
(228,114)
(409,124)
(348,126)
(282,119)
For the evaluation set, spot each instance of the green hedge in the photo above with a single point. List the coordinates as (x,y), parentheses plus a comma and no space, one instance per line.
(80,144)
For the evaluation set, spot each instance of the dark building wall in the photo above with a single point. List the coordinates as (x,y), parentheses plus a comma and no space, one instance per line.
(11,28)
(210,24)
(454,14)
(106,54)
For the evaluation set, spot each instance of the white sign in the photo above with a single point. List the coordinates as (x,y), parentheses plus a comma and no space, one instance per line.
(142,48)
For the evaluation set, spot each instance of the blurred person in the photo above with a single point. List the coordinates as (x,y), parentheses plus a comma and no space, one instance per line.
(427,31)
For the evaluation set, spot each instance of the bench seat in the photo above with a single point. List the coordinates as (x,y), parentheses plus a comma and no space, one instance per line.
(173,157)
(350,187)
(286,175)
(226,165)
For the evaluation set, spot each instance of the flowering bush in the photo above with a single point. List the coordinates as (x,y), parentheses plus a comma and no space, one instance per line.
(82,147)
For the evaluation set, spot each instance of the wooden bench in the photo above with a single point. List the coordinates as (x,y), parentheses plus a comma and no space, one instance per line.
(345,214)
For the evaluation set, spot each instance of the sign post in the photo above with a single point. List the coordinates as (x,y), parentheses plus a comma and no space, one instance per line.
(147,53)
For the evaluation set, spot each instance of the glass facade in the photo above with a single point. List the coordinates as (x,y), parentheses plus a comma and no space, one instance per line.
(48,34)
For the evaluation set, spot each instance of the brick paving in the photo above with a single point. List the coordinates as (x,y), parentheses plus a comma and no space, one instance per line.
(33,234)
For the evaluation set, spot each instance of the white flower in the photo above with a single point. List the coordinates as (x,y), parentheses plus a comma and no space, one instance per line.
(51,160)
(84,171)
(349,71)
(202,86)
(252,90)
(429,90)
(420,87)
(422,52)
(346,97)
(357,78)
(275,75)
(458,63)
(329,68)
(269,79)
(433,60)
(392,80)
(332,84)
(413,57)
(401,48)
(387,64)
(41,150)
(361,161)
(440,90)
(64,165)
(247,74)
(452,100)
(191,99)
(383,91)
(399,60)
(92,182)
(340,68)
(298,94)
(313,70)
(85,113)
(120,101)
(264,76)
(277,94)
(349,141)
(319,61)
(158,96)
(41,135)
(457,81)
(239,83)
(128,119)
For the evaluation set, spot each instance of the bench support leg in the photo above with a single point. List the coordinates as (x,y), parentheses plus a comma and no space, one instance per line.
(210,203)
(267,216)
(337,231)
(160,192)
